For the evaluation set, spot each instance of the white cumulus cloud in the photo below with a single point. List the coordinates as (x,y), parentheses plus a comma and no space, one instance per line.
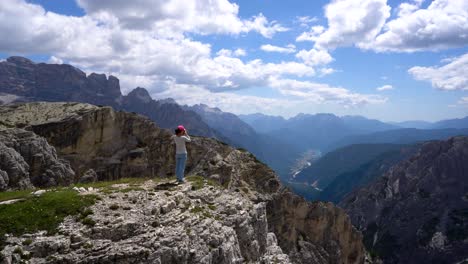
(315,56)
(384,88)
(150,49)
(443,24)
(290,48)
(350,22)
(451,76)
(201,16)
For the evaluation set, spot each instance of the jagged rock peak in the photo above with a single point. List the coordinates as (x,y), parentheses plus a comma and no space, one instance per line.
(167,101)
(141,94)
(20,60)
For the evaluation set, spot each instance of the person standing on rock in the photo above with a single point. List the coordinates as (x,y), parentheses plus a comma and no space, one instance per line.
(180,138)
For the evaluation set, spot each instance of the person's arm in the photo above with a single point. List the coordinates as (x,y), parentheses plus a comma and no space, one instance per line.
(187,137)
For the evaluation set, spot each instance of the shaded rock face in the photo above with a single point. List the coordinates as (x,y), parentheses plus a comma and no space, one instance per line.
(418,211)
(313,232)
(103,144)
(27,159)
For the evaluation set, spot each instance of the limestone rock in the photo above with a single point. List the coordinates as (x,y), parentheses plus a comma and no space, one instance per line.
(29,159)
(14,171)
(417,211)
(314,232)
(89,176)
(117,144)
(203,232)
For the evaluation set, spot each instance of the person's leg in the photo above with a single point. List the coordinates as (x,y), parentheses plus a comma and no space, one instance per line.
(183,159)
(178,167)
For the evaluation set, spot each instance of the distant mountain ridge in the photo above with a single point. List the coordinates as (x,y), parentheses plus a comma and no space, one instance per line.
(273,151)
(442,124)
(306,131)
(399,136)
(23,80)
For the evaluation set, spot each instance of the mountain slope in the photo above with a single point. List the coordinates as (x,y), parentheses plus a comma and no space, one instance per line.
(264,123)
(113,144)
(345,159)
(417,212)
(348,181)
(451,123)
(275,152)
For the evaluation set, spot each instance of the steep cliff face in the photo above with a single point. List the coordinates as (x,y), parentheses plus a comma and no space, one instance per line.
(27,160)
(313,232)
(119,144)
(418,211)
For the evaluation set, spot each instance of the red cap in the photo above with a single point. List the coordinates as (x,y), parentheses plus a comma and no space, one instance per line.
(181,128)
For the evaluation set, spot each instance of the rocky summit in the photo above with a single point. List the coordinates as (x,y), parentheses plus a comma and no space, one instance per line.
(232,210)
(418,211)
(158,222)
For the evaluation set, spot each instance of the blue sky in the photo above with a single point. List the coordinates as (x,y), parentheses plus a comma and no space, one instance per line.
(317,56)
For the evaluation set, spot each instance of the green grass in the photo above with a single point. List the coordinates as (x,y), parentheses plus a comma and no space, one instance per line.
(200,210)
(199,182)
(45,212)
(88,221)
(10,195)
(197,209)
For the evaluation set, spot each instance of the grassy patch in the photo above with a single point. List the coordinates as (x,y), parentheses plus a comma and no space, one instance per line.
(200,210)
(27,242)
(45,212)
(10,195)
(197,209)
(212,207)
(199,182)
(88,221)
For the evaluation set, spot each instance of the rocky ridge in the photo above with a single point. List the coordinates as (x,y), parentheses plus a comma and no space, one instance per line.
(417,212)
(159,222)
(102,144)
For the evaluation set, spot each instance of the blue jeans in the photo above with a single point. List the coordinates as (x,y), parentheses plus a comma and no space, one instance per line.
(180,165)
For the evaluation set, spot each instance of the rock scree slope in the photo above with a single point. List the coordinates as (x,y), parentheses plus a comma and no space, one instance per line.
(99,143)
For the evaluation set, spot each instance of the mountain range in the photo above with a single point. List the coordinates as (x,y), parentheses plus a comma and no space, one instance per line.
(277,141)
(408,196)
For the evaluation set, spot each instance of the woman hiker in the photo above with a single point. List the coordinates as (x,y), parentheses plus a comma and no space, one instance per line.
(181,136)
